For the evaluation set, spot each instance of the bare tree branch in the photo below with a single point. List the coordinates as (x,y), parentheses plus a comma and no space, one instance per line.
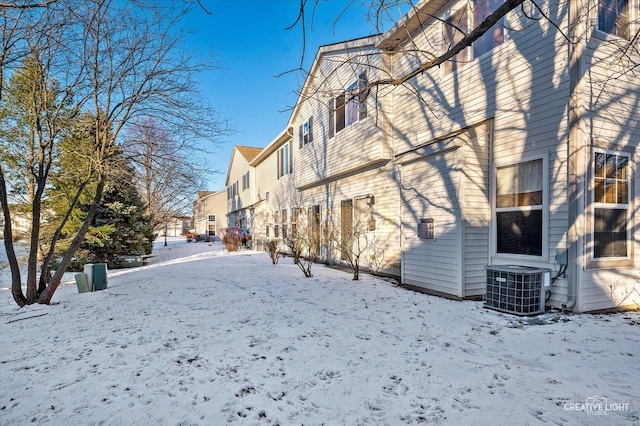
(16,5)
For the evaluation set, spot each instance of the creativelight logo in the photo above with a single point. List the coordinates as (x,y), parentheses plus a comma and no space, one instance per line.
(597,406)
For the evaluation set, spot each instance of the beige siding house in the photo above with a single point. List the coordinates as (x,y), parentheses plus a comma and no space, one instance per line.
(241,191)
(344,174)
(210,213)
(520,151)
(511,156)
(177,226)
(275,201)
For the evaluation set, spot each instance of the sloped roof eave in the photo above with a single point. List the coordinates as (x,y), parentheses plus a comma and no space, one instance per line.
(368,41)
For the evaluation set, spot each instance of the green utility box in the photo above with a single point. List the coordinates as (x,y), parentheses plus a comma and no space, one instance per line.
(82,283)
(96,274)
(99,276)
(131,261)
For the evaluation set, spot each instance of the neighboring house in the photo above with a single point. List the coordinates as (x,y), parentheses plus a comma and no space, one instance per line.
(210,213)
(344,174)
(524,151)
(274,203)
(177,226)
(20,223)
(240,188)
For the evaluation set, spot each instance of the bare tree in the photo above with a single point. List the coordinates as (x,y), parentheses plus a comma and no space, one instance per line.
(350,234)
(36,109)
(301,244)
(118,61)
(167,170)
(26,5)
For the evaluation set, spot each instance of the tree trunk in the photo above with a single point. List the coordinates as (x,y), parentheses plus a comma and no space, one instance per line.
(45,278)
(32,266)
(47,294)
(16,281)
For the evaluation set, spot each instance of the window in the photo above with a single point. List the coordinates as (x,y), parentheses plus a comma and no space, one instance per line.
(276,231)
(611,206)
(458,24)
(211,218)
(294,222)
(348,107)
(284,216)
(284,161)
(245,181)
(267,231)
(426,229)
(305,133)
(495,35)
(614,17)
(352,104)
(454,30)
(339,113)
(519,208)
(232,190)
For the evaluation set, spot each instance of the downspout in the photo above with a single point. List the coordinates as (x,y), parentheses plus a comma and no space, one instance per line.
(575,50)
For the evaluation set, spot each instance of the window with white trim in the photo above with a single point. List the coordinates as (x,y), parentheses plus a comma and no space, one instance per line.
(463,21)
(350,106)
(211,218)
(611,209)
(294,222)
(614,17)
(284,161)
(305,133)
(495,35)
(245,181)
(520,208)
(454,30)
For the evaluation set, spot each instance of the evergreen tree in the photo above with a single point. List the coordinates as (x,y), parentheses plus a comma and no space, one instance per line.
(123,213)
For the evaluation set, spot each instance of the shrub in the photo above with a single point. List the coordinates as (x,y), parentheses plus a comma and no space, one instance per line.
(297,244)
(232,239)
(271,247)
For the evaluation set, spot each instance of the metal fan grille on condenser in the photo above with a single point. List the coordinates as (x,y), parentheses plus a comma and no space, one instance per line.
(518,290)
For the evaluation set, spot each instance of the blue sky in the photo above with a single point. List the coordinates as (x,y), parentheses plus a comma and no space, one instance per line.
(252,46)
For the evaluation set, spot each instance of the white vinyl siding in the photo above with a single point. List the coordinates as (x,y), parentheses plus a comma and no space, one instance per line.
(522,85)
(612,118)
(430,190)
(358,145)
(381,185)
(448,181)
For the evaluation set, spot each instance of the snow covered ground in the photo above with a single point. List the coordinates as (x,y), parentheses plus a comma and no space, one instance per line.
(201,336)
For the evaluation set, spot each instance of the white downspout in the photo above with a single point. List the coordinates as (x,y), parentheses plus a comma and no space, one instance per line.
(575,164)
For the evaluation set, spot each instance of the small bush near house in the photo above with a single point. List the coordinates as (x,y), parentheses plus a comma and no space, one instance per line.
(232,239)
(271,247)
(190,237)
(297,244)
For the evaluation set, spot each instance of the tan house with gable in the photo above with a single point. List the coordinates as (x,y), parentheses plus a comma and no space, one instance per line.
(518,156)
(275,202)
(241,192)
(344,174)
(210,214)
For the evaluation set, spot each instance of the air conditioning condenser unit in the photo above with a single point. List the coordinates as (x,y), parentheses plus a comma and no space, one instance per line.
(518,290)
